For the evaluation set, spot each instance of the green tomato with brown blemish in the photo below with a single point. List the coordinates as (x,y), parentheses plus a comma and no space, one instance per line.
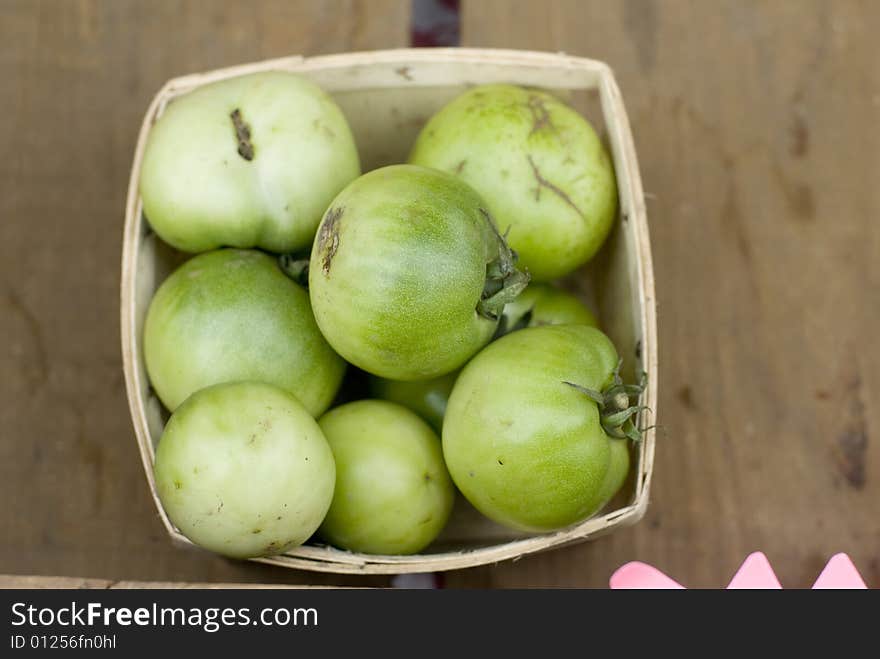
(251,161)
(539,165)
(525,437)
(408,274)
(393,494)
(243,469)
(232,315)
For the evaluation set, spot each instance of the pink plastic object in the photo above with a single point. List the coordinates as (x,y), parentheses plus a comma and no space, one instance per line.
(840,573)
(754,573)
(641,575)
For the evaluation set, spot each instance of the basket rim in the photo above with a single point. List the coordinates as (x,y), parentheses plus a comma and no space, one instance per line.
(327,559)
(394,56)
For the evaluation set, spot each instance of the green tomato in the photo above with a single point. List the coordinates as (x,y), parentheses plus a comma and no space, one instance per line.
(618,470)
(233,315)
(538,164)
(427,398)
(539,304)
(542,304)
(408,274)
(251,161)
(242,469)
(393,494)
(526,447)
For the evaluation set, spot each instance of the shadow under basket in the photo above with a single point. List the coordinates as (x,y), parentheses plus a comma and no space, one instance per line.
(387,97)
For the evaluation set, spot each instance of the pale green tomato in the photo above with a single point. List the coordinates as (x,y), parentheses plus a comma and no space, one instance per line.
(408,274)
(393,494)
(232,315)
(242,469)
(251,161)
(524,446)
(543,304)
(618,470)
(427,398)
(538,164)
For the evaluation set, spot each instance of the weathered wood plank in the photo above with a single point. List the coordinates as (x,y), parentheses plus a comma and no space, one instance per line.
(11,582)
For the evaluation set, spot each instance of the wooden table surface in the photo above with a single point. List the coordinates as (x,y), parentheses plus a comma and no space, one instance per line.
(756,128)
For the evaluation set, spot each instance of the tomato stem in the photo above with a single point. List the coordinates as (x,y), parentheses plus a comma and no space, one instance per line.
(492,306)
(504,282)
(618,405)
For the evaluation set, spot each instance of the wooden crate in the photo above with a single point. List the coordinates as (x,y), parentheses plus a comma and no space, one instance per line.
(387,96)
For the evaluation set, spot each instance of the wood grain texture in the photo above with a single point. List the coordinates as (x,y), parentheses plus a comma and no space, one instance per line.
(28,582)
(75,80)
(756,128)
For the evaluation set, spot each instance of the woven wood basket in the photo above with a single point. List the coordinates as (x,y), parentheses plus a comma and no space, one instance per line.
(387,96)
